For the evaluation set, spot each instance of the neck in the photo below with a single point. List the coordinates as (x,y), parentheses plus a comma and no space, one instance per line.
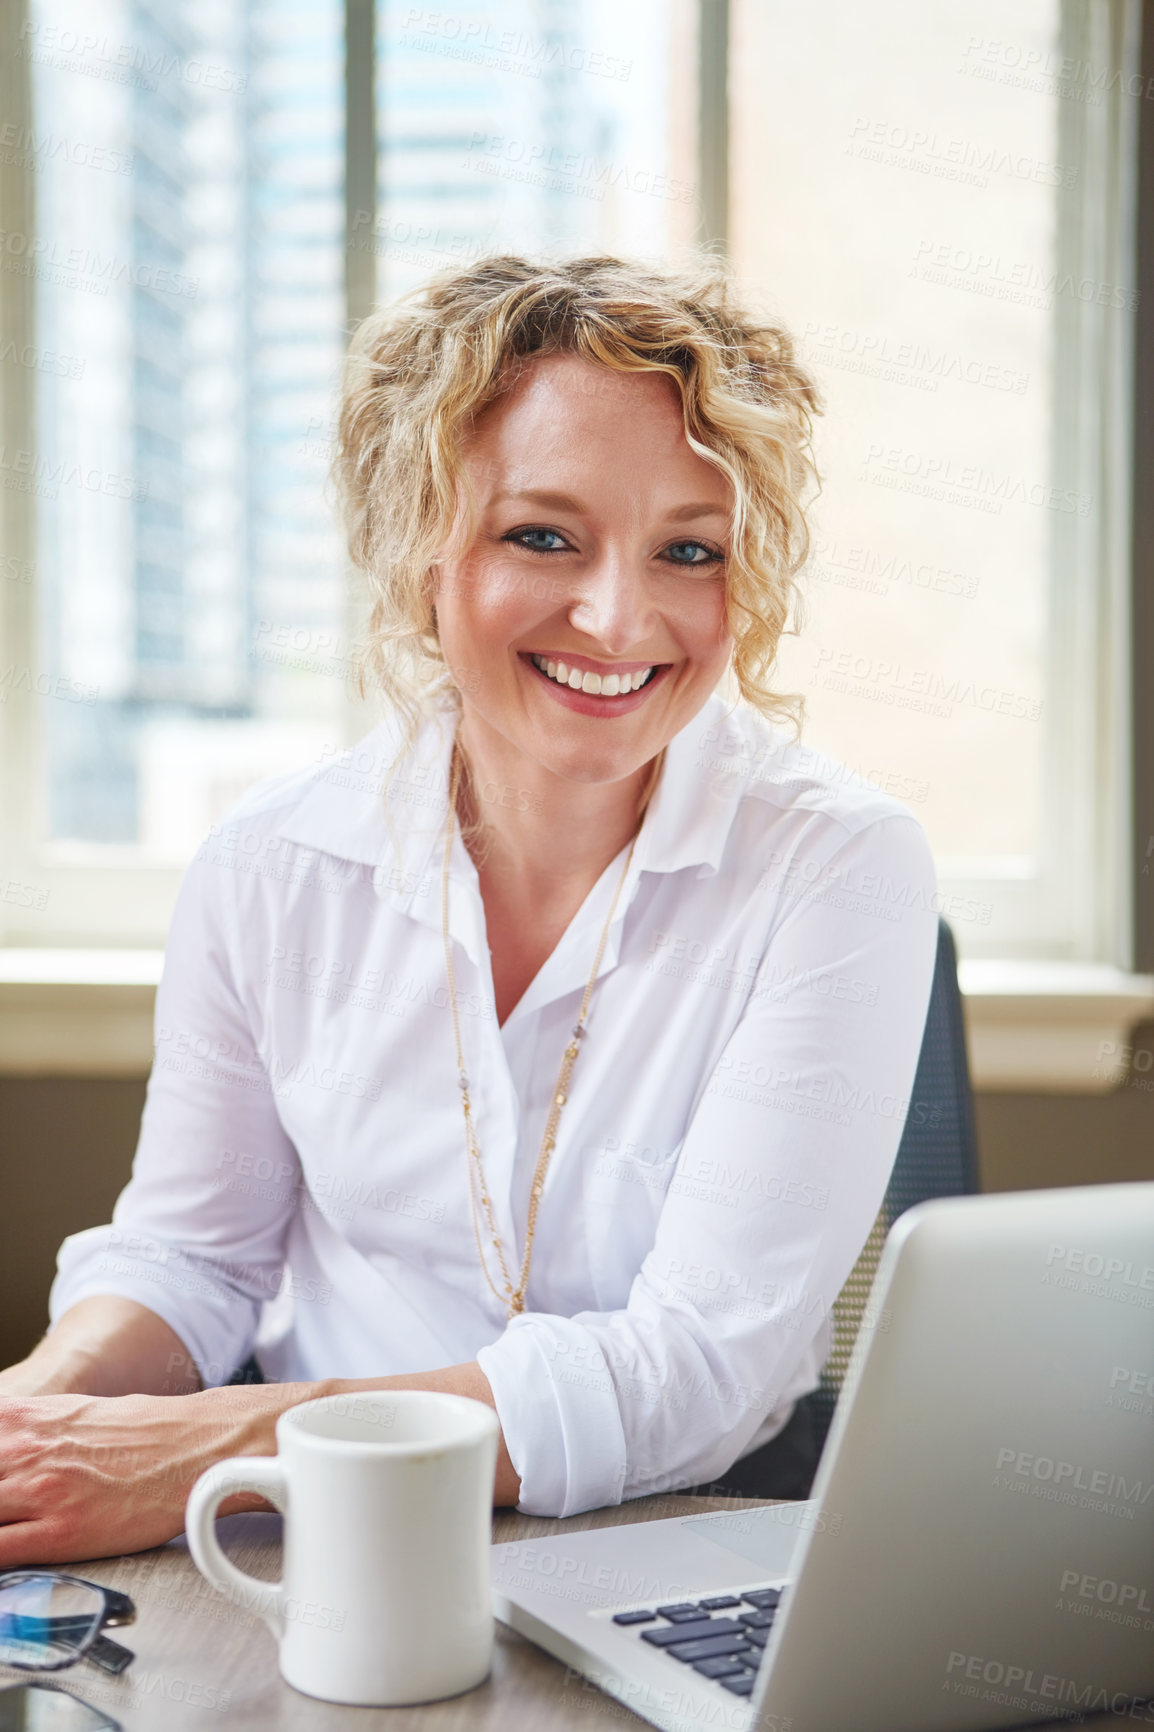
(534,833)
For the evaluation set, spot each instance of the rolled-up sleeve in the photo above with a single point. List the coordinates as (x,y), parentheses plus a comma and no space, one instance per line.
(198,1234)
(778,1184)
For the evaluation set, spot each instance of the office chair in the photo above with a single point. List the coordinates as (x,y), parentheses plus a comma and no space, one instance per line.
(937,1157)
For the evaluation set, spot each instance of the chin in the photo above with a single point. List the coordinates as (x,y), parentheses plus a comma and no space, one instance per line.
(578,764)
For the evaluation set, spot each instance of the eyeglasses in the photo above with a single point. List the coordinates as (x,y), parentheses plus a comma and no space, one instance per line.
(49,1621)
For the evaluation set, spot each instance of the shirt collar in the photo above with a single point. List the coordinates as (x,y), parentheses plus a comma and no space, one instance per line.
(692,811)
(360,808)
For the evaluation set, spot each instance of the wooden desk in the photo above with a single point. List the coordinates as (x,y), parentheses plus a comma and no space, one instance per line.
(202,1663)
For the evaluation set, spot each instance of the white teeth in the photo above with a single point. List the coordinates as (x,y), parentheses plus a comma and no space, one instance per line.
(602,685)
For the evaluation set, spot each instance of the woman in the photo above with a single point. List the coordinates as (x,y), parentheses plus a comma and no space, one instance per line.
(550,1046)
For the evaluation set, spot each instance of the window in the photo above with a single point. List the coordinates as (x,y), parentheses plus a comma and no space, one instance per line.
(560,123)
(183,262)
(938,205)
(941,210)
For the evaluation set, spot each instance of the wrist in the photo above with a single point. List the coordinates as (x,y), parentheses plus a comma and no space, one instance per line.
(243,1416)
(239,1420)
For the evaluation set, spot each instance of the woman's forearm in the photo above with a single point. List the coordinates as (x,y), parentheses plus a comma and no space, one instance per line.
(95,1458)
(113,1346)
(90,1399)
(105,1346)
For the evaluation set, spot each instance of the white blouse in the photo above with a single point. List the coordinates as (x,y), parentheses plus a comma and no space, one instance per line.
(301,1181)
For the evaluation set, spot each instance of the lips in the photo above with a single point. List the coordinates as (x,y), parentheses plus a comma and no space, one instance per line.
(580,679)
(597,703)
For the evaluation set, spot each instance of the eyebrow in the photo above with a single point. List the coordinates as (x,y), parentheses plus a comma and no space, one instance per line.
(566,502)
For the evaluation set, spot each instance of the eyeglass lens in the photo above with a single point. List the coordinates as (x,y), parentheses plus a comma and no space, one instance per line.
(47,1708)
(45,1622)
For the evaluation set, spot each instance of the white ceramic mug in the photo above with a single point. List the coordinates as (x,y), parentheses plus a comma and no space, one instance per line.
(387,1498)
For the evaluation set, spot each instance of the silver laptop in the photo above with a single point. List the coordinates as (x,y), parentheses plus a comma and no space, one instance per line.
(979,1547)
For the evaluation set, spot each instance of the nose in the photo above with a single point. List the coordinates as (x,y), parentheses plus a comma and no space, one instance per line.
(611,603)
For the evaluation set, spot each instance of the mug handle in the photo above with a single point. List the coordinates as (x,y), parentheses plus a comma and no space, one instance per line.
(263,1474)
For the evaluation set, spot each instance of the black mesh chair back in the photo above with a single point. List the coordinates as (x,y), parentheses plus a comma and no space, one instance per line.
(937,1157)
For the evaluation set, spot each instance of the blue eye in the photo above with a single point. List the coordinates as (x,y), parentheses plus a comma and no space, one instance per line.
(536,539)
(677,549)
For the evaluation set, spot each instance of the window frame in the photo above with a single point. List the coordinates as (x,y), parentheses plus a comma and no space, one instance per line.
(1140,620)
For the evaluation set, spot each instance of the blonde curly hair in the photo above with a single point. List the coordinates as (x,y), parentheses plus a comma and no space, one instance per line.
(421,371)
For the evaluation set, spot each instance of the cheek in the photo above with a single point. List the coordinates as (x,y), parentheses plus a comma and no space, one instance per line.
(702,620)
(483,593)
(480,615)
(497,600)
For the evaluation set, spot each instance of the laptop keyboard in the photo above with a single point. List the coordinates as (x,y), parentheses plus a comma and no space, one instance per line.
(722,1637)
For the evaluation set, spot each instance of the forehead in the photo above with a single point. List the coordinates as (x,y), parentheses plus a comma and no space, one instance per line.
(576,381)
(566,412)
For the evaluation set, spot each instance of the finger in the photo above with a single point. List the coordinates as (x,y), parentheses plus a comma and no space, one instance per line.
(24,1543)
(16,1503)
(246,1503)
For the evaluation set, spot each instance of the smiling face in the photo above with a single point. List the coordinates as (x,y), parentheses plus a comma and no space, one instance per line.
(586,624)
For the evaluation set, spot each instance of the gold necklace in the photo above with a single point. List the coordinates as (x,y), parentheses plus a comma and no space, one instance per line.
(513,1297)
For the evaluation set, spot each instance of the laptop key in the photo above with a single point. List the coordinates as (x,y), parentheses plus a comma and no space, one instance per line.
(670,1633)
(758,1637)
(719,1603)
(740,1683)
(763,1598)
(634,1617)
(758,1620)
(682,1612)
(722,1667)
(708,1648)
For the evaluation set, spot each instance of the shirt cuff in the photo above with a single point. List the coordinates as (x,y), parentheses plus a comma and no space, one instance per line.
(558,1410)
(214,1322)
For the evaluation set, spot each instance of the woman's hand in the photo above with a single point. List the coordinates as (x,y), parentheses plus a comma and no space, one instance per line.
(92,1476)
(89,1476)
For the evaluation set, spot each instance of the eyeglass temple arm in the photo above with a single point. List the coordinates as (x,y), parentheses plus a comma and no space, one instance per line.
(109,1655)
(119,1609)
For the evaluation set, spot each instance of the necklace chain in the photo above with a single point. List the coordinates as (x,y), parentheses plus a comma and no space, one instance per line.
(513,1297)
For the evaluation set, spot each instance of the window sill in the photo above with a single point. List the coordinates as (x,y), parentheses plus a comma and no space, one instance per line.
(1048,1027)
(77,1012)
(1051,1027)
